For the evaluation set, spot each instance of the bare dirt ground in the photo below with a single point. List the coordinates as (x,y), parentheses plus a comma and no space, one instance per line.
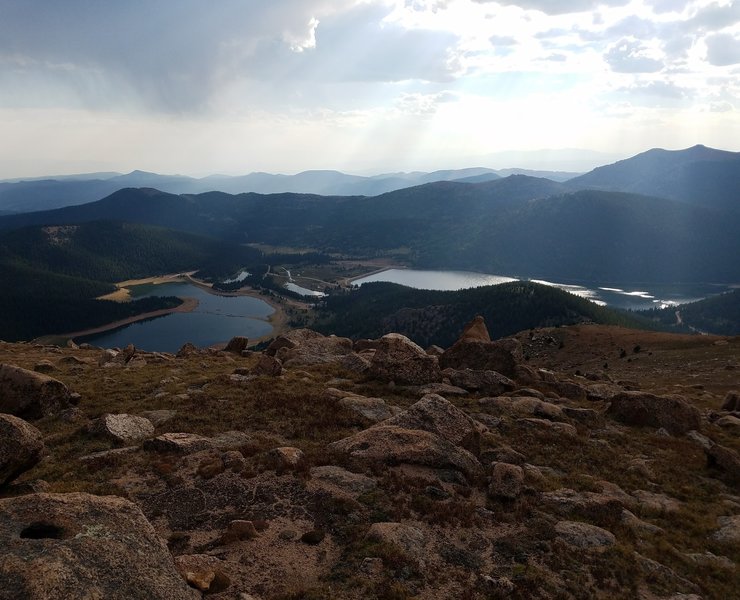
(697,366)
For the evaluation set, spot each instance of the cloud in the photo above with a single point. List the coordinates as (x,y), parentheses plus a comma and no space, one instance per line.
(715,16)
(666,6)
(502,40)
(723,49)
(721,107)
(153,54)
(557,7)
(630,56)
(657,93)
(424,104)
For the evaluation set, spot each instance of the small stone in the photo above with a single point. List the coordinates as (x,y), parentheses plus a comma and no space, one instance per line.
(44,366)
(285,458)
(203,572)
(371,566)
(211,467)
(731,402)
(506,481)
(729,422)
(313,537)
(239,530)
(234,461)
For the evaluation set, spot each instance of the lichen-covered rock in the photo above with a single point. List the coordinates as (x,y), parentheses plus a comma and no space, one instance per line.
(373,410)
(183,443)
(267,365)
(30,395)
(407,538)
(475,350)
(725,459)
(292,339)
(437,415)
(122,428)
(585,416)
(729,530)
(585,536)
(83,546)
(340,482)
(303,347)
(524,406)
(21,447)
(391,445)
(673,413)
(399,359)
(484,382)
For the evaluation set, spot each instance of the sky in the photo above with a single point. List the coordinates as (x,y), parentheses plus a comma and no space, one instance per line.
(198,87)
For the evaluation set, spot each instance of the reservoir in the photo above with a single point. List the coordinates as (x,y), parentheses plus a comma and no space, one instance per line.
(216,319)
(635,296)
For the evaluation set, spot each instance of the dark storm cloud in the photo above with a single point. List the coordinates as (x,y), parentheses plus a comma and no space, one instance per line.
(175,56)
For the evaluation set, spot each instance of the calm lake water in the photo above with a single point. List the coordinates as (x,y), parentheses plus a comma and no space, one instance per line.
(625,296)
(216,319)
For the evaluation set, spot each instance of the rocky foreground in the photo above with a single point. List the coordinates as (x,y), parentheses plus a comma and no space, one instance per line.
(565,463)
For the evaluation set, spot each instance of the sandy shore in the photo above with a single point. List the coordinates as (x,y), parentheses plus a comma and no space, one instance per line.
(123,294)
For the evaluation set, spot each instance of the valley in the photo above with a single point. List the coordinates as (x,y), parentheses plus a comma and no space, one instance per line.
(546,408)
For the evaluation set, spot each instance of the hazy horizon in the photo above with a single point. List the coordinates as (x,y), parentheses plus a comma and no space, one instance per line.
(361,86)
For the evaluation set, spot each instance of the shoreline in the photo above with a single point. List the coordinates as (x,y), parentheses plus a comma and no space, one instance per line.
(188,305)
(351,280)
(278,319)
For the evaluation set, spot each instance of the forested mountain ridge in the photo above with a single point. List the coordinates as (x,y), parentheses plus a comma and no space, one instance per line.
(518,225)
(698,175)
(436,317)
(718,314)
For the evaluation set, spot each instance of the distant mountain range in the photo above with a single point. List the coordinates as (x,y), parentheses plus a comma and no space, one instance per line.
(56,192)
